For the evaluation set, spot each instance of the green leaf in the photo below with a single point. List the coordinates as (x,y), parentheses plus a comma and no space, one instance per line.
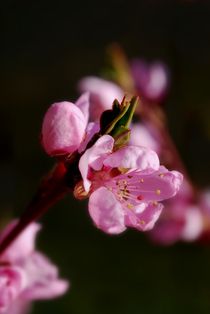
(124,121)
(123,138)
(115,121)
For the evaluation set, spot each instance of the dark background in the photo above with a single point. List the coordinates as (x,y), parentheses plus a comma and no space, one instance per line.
(46,47)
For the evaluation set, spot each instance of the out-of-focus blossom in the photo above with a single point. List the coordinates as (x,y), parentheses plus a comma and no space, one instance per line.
(125,186)
(182,220)
(25,274)
(151,80)
(102,94)
(143,134)
(64,126)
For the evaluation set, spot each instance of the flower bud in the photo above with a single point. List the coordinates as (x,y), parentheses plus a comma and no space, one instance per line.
(63,128)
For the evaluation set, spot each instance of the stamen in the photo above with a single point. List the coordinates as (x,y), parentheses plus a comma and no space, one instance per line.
(130,206)
(158,192)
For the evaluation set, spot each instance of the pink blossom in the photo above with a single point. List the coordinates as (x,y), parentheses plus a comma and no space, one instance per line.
(182,219)
(152,80)
(143,134)
(64,125)
(102,94)
(25,274)
(125,186)
(12,283)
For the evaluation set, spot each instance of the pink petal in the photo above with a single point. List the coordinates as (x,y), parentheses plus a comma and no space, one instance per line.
(144,216)
(12,282)
(102,94)
(151,80)
(144,135)
(167,232)
(157,186)
(106,211)
(94,156)
(23,246)
(63,128)
(43,281)
(193,224)
(133,157)
(92,129)
(83,103)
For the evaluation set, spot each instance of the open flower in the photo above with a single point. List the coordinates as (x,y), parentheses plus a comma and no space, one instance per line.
(125,186)
(64,126)
(25,274)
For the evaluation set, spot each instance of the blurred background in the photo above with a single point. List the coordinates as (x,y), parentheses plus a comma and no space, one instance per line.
(46,47)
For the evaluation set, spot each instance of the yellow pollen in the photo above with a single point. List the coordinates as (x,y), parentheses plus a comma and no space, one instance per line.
(155,203)
(161,175)
(141,180)
(130,206)
(142,222)
(158,192)
(123,170)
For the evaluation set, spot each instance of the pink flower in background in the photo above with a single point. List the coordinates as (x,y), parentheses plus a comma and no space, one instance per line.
(125,186)
(12,283)
(102,94)
(64,126)
(25,274)
(151,80)
(182,219)
(143,134)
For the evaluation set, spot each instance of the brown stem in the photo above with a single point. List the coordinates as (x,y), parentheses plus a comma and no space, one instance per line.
(52,189)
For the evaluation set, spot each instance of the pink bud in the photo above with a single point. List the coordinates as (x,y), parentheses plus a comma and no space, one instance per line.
(63,128)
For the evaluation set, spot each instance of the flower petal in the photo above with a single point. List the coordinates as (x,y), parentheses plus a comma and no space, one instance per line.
(157,186)
(63,128)
(23,246)
(134,157)
(92,129)
(145,135)
(43,280)
(106,211)
(94,156)
(83,103)
(12,282)
(193,224)
(144,216)
(167,232)
(102,94)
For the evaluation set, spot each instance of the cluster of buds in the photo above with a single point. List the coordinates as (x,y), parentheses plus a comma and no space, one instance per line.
(101,155)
